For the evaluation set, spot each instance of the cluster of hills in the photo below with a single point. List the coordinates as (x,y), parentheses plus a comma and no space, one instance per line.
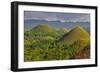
(44,42)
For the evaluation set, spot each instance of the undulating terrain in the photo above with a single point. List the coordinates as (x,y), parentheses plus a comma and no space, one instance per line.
(44,43)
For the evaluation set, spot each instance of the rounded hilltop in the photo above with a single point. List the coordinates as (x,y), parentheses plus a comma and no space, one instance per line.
(44,27)
(77,33)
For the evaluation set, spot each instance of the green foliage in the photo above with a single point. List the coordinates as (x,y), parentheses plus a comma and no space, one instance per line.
(42,43)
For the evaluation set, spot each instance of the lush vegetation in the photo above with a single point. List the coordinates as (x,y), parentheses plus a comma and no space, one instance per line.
(43,43)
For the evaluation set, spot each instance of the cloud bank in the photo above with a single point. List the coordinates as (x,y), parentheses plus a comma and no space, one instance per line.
(56,16)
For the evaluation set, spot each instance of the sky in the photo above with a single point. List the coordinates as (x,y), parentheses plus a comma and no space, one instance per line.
(56,16)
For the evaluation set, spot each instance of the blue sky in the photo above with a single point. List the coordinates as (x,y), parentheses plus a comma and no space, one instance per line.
(56,16)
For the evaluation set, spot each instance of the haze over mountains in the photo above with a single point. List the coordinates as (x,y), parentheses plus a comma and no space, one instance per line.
(57,16)
(29,24)
(56,19)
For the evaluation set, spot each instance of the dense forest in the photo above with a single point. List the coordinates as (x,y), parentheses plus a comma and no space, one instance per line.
(44,43)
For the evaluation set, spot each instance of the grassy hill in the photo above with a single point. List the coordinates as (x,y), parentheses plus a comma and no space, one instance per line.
(41,31)
(63,30)
(43,28)
(77,33)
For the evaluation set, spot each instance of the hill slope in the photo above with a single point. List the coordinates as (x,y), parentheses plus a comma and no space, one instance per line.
(43,28)
(77,33)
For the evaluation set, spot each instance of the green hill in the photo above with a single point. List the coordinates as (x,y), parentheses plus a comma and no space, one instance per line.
(63,30)
(77,33)
(43,28)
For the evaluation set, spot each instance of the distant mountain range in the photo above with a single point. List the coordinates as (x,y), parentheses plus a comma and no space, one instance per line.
(29,24)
